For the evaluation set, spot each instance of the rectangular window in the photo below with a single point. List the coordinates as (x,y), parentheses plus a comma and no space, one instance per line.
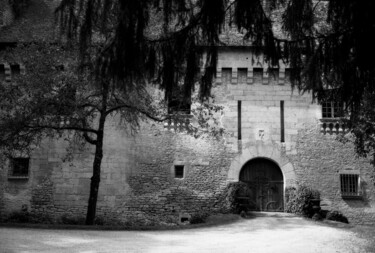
(2,72)
(350,184)
(19,167)
(178,106)
(15,68)
(332,109)
(179,171)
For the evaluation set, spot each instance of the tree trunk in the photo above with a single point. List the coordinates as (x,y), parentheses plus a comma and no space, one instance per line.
(95,179)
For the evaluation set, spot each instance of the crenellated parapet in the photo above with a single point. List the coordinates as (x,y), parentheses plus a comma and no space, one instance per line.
(265,73)
(244,60)
(7,70)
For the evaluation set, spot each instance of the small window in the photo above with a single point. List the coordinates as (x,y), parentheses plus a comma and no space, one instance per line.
(350,184)
(19,167)
(15,69)
(2,72)
(179,171)
(332,109)
(176,106)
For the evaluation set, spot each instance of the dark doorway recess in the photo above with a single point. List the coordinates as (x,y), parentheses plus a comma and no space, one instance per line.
(265,191)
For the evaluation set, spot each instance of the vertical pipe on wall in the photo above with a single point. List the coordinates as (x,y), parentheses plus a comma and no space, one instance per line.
(239,119)
(282,126)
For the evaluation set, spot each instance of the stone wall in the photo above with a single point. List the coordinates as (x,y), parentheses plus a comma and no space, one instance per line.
(6,13)
(260,88)
(138,184)
(137,180)
(318,163)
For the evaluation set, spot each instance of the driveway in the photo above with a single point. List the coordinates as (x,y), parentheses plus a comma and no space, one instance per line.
(271,232)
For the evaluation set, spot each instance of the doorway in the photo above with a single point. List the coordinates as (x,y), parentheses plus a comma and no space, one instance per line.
(265,185)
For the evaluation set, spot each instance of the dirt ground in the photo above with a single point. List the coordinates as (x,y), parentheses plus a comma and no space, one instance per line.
(270,232)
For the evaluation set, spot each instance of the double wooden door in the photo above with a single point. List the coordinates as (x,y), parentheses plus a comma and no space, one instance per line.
(265,185)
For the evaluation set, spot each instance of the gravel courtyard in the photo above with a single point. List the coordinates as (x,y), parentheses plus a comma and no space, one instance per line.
(271,232)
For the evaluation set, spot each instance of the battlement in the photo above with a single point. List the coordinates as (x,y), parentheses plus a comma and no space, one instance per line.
(244,64)
(8,69)
(247,75)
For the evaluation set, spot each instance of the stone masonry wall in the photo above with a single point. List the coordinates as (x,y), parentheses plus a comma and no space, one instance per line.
(260,88)
(319,160)
(137,180)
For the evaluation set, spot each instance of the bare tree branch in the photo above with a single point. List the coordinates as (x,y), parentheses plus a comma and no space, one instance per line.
(139,110)
(61,128)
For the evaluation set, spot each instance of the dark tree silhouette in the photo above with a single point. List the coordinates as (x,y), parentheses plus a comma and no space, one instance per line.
(55,98)
(327,44)
(125,43)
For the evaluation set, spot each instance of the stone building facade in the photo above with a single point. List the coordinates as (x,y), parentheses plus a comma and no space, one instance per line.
(6,13)
(275,138)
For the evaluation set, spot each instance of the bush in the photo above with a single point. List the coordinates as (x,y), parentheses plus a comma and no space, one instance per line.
(336,216)
(27,217)
(298,200)
(99,220)
(72,220)
(198,218)
(237,189)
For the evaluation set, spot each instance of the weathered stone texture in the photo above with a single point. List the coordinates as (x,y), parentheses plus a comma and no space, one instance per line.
(35,24)
(137,180)
(318,163)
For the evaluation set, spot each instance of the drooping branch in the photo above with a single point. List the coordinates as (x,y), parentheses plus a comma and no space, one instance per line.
(89,139)
(138,110)
(62,128)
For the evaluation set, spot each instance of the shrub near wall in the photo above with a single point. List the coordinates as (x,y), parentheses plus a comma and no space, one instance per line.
(298,200)
(229,203)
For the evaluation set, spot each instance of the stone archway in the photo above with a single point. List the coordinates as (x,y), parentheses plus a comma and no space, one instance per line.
(268,151)
(265,185)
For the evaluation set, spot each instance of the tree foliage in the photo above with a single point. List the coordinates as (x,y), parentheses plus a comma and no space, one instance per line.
(57,97)
(326,43)
(53,97)
(53,100)
(163,40)
(336,62)
(125,45)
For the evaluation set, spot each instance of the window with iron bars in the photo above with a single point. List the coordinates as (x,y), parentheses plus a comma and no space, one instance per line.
(332,109)
(350,185)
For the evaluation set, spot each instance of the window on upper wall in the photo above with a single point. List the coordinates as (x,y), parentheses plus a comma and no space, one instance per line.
(179,171)
(179,101)
(350,184)
(19,167)
(2,72)
(15,69)
(332,109)
(176,106)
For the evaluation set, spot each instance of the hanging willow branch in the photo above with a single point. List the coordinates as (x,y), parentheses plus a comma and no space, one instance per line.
(160,40)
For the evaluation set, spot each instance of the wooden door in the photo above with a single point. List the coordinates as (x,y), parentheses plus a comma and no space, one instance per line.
(265,184)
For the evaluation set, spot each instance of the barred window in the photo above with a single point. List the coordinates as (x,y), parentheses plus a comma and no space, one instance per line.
(332,109)
(350,184)
(19,167)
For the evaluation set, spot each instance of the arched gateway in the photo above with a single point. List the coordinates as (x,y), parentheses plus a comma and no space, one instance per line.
(265,185)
